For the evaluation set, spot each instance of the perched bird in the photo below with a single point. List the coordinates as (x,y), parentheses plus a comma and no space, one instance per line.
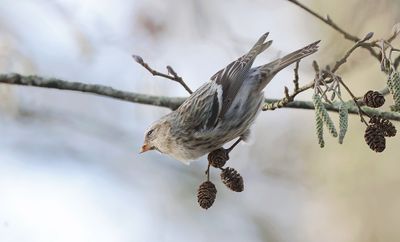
(222,109)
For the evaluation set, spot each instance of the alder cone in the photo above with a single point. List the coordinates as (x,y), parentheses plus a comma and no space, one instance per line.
(387,128)
(218,158)
(206,194)
(375,138)
(232,179)
(374,99)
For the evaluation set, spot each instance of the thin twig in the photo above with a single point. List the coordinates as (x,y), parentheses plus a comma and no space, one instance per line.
(350,51)
(329,22)
(326,20)
(179,79)
(208,171)
(395,33)
(391,38)
(396,62)
(171,73)
(361,112)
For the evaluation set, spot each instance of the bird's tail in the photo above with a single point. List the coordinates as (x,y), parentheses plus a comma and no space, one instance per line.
(269,70)
(260,45)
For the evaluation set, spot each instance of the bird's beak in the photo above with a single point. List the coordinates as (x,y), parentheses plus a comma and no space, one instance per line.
(145,148)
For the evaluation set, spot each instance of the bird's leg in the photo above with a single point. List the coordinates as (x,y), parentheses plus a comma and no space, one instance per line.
(233,145)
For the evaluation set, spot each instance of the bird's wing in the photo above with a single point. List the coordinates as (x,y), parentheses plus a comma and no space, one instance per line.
(208,104)
(231,78)
(201,109)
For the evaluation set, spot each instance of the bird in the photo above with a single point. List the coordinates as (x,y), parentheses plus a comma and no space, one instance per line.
(220,110)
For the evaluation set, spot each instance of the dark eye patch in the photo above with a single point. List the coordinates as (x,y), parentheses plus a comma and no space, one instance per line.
(149,133)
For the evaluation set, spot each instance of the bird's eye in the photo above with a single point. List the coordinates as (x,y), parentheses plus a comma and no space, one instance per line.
(149,133)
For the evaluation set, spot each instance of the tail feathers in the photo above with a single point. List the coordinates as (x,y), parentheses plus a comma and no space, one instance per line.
(259,46)
(276,66)
(268,71)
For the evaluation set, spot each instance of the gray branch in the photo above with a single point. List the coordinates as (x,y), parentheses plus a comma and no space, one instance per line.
(38,81)
(160,101)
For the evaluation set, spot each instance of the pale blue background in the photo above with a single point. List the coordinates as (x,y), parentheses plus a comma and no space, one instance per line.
(69,164)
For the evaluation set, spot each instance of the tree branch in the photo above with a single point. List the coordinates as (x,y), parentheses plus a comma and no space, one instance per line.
(160,101)
(326,20)
(101,90)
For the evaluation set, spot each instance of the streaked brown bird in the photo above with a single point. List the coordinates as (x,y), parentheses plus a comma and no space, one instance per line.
(222,109)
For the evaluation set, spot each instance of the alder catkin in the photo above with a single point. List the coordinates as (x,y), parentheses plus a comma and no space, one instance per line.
(323,113)
(343,121)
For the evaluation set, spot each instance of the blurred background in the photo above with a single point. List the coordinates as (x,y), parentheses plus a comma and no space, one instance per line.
(69,163)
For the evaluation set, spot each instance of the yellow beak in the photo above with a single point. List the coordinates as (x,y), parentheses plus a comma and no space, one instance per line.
(145,148)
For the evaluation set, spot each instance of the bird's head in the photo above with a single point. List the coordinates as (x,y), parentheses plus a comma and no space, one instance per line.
(156,137)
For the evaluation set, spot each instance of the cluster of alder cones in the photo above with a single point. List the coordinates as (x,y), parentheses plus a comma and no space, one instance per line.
(207,191)
(378,128)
